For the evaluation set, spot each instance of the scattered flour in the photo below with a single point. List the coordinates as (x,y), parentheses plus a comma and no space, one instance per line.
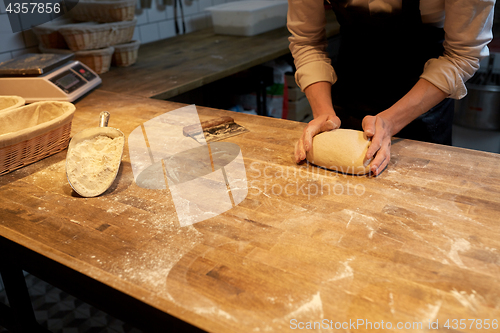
(472,301)
(214,311)
(92,164)
(347,272)
(460,245)
(431,312)
(313,308)
(391,303)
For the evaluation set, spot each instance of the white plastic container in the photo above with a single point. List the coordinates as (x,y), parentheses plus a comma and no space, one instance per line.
(248,18)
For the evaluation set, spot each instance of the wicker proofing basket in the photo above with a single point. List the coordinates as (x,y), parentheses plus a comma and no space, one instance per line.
(33,132)
(126,54)
(104,10)
(10,102)
(81,37)
(49,36)
(98,60)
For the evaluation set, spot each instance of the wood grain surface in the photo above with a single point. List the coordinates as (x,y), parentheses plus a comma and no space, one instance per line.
(173,66)
(418,244)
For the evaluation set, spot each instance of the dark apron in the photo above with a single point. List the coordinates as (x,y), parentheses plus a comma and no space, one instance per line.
(380,59)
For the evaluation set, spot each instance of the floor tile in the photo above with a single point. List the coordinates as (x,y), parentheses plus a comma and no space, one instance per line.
(62,313)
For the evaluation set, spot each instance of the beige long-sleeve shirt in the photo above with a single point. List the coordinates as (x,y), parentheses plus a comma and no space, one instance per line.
(467,25)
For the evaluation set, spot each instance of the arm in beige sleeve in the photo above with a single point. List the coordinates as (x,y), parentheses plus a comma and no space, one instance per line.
(467,26)
(314,75)
(306,23)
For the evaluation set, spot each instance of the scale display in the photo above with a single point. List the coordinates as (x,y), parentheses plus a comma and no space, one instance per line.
(67,81)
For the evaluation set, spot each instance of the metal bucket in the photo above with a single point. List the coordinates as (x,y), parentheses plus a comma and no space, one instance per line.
(480,109)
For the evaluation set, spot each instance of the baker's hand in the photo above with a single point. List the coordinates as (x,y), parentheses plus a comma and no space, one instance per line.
(379,130)
(322,123)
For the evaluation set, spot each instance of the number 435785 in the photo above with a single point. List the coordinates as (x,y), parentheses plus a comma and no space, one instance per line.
(471,323)
(32,8)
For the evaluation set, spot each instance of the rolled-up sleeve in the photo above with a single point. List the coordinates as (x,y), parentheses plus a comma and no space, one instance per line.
(467,29)
(306,23)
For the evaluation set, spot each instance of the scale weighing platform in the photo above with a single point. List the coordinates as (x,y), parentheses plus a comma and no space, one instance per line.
(46,77)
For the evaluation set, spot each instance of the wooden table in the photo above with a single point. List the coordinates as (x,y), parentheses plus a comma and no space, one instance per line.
(418,244)
(173,66)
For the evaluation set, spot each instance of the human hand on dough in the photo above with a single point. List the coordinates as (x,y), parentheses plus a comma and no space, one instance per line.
(379,130)
(322,123)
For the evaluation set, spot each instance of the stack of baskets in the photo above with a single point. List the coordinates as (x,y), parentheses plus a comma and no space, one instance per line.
(29,133)
(99,33)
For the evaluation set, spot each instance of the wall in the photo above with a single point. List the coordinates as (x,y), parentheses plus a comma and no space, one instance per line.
(153,24)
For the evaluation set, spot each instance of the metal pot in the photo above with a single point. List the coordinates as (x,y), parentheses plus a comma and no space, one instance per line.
(480,109)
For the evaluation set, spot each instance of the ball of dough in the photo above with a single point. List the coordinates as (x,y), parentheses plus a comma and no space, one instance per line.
(341,150)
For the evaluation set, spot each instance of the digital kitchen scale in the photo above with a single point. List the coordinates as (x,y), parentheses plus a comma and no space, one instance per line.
(46,77)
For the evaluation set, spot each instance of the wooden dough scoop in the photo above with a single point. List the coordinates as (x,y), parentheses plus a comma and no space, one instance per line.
(94,157)
(341,150)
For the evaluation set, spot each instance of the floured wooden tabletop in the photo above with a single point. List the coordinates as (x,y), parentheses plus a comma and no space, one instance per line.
(419,244)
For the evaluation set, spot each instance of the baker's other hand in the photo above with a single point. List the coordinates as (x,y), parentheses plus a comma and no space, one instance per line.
(379,130)
(322,123)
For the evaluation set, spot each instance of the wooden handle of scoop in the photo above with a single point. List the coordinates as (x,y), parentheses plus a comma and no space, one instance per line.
(196,128)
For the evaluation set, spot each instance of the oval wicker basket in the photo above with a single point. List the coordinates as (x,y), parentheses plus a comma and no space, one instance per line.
(10,102)
(103,10)
(98,60)
(126,54)
(49,36)
(91,36)
(33,132)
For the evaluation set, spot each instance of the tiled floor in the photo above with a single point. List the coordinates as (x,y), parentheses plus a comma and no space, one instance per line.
(62,313)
